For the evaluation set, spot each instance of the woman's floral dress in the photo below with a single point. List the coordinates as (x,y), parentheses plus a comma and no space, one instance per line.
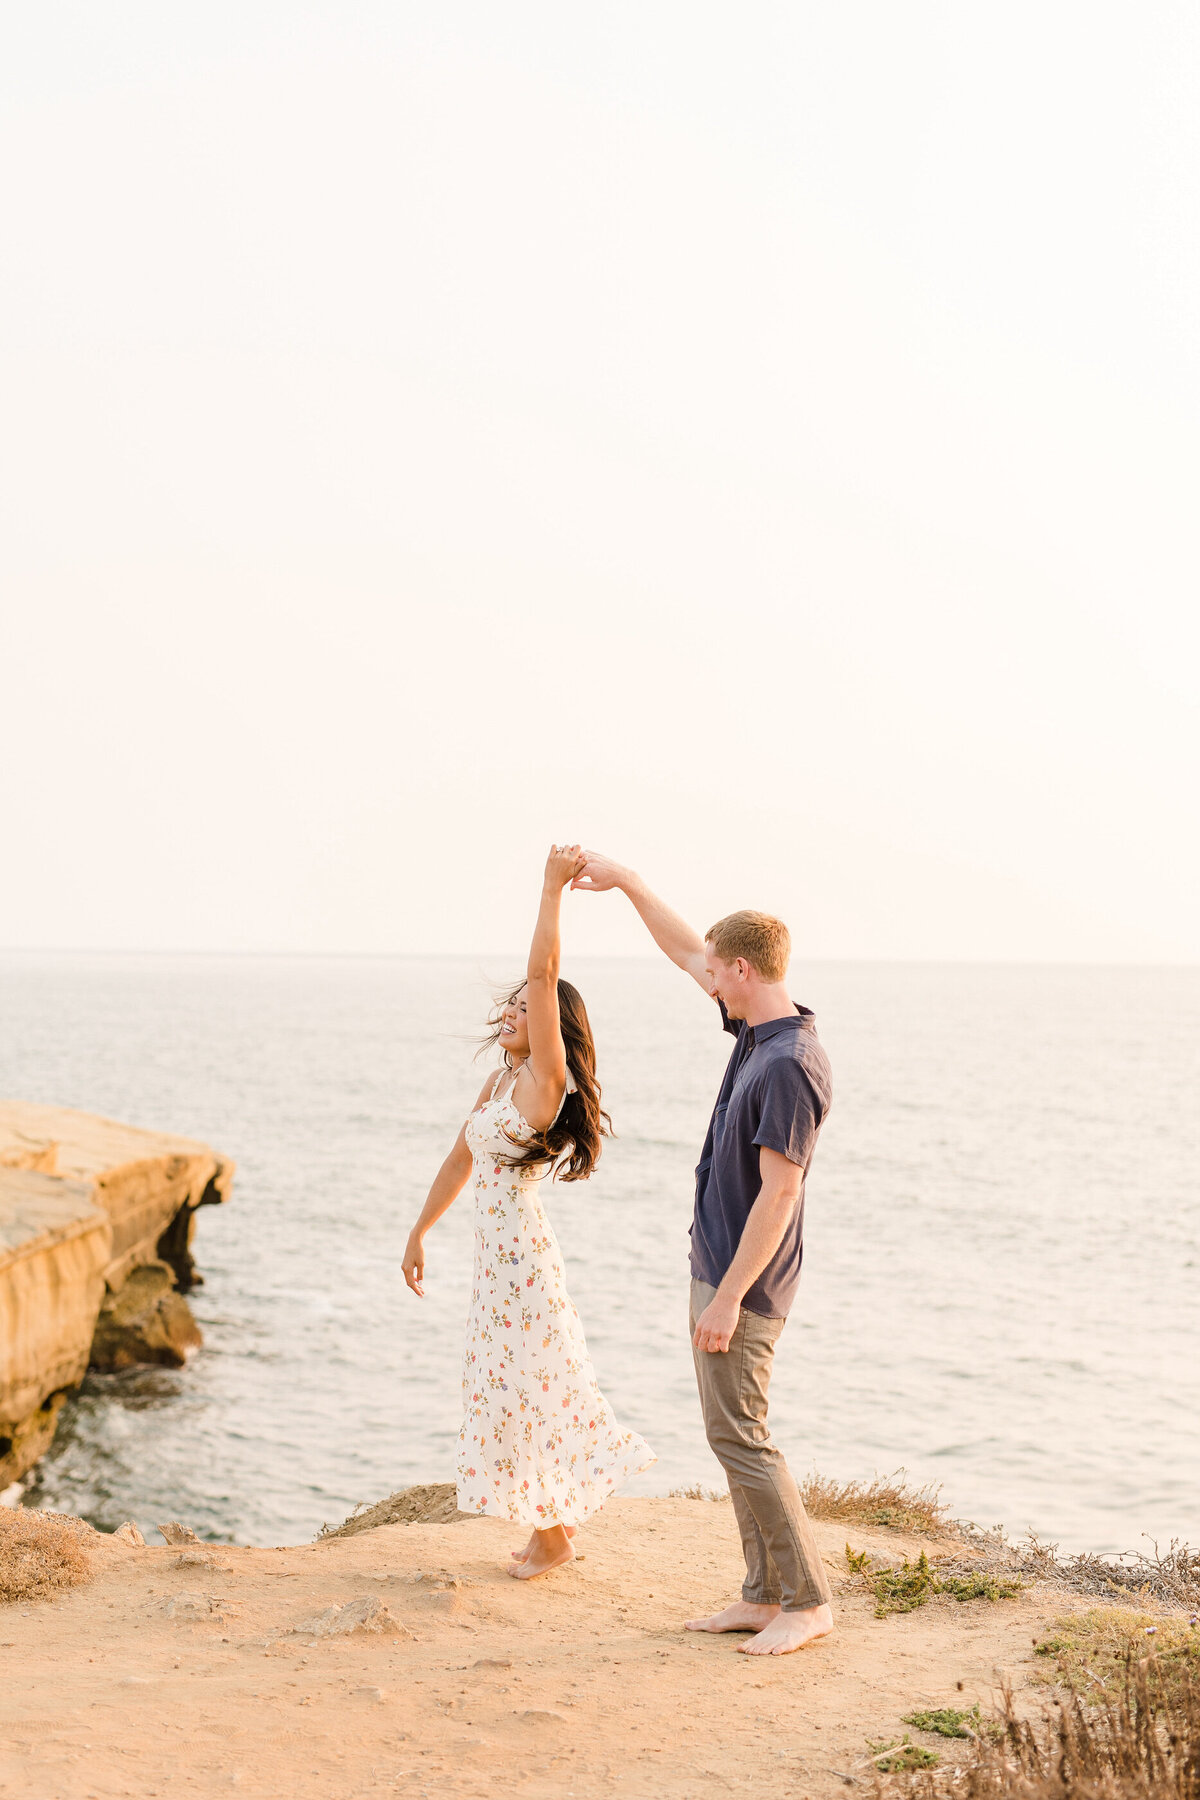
(539,1444)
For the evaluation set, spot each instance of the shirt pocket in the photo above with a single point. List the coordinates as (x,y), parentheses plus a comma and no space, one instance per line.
(718,1126)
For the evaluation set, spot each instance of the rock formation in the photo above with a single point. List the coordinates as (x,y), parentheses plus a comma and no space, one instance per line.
(55,1243)
(430,1503)
(96,1224)
(145,1321)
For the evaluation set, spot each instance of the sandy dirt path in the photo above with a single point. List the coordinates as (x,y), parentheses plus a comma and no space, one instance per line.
(168,1676)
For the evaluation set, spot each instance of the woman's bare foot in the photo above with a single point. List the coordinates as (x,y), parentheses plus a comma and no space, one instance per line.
(743,1615)
(790,1631)
(523,1554)
(551,1549)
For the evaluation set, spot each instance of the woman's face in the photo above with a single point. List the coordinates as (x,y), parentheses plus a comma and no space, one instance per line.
(514,1028)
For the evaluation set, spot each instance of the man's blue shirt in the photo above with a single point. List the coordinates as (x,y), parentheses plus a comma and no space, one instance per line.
(775,1095)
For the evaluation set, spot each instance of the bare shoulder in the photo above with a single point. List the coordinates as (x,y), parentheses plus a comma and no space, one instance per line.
(539,1094)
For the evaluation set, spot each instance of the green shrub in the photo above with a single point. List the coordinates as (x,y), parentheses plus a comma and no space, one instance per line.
(894,1759)
(947,1721)
(903,1589)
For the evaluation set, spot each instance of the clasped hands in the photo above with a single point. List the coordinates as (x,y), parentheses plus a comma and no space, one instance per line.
(564,863)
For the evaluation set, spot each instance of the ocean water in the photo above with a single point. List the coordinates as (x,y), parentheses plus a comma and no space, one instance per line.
(1002,1241)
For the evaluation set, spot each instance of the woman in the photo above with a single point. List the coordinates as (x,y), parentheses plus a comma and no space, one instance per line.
(539,1444)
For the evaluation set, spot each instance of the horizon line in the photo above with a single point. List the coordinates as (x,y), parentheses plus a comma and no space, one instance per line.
(650,955)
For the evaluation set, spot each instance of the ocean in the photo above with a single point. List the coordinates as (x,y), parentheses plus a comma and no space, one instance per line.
(1002,1242)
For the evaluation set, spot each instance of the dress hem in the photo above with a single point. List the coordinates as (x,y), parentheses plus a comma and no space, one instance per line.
(575,1515)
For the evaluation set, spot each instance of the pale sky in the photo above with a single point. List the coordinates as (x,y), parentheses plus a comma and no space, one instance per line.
(759,441)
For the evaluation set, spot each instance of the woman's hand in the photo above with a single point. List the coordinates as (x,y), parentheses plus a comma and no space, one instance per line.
(414,1263)
(563,864)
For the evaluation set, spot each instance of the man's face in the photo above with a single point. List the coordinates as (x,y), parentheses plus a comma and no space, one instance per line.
(727,981)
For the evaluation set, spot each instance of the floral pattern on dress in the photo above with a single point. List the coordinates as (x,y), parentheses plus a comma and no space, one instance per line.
(539,1444)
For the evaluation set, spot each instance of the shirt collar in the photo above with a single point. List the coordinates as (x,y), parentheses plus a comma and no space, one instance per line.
(790,1022)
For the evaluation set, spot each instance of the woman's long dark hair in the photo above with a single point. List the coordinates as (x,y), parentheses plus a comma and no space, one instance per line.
(572,1144)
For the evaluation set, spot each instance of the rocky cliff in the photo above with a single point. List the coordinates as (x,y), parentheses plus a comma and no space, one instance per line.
(96,1225)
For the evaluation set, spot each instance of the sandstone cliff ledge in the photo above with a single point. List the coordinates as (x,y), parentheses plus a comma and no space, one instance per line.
(96,1225)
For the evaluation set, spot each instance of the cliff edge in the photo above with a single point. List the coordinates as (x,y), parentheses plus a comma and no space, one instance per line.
(96,1227)
(402,1660)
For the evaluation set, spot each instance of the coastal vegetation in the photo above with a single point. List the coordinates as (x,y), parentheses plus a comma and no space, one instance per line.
(1123,1724)
(888,1500)
(902,1587)
(1138,1739)
(947,1721)
(901,1755)
(41,1554)
(1089,1653)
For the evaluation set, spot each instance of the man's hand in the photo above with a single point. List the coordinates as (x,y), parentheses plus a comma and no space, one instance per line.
(717,1324)
(673,935)
(414,1264)
(600,873)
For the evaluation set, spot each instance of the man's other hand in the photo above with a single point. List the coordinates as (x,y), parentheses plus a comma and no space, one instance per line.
(717,1324)
(599,873)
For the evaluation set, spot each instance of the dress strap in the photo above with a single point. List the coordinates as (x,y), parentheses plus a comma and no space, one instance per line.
(572,1087)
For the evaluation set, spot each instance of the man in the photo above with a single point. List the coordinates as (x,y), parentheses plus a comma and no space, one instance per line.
(746,1245)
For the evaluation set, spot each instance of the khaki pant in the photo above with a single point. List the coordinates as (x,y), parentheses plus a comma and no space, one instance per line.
(783,1564)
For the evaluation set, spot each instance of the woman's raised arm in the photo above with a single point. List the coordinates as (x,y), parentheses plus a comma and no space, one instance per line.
(543,1078)
(448,1184)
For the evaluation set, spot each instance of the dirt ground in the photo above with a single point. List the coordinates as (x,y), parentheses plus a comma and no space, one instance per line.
(172,1675)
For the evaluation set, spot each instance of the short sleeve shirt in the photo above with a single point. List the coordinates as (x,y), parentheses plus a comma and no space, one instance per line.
(777,1090)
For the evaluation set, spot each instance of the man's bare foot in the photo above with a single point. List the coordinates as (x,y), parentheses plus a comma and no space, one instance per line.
(790,1631)
(743,1615)
(526,1550)
(551,1549)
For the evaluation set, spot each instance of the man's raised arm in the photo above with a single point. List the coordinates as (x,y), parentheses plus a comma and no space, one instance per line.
(673,935)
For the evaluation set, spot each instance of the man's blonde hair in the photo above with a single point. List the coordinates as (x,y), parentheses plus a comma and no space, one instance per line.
(764,941)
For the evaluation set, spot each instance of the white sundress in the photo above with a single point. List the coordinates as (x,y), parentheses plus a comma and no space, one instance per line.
(539,1444)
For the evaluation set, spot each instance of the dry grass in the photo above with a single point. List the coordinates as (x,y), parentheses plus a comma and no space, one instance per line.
(1140,1740)
(888,1500)
(41,1553)
(1089,1652)
(1162,1579)
(1171,1578)
(696,1492)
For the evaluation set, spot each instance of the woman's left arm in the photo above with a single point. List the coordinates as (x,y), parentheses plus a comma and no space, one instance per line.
(544,1075)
